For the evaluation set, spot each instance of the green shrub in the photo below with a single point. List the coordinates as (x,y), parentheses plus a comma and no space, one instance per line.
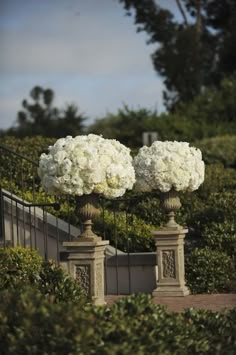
(219,236)
(220,149)
(54,282)
(20,267)
(179,127)
(29,147)
(31,325)
(209,271)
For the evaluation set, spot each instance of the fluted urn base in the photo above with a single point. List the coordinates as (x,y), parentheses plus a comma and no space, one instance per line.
(87,208)
(170,203)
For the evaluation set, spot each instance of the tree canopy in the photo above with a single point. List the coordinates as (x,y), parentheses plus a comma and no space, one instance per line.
(39,117)
(191,54)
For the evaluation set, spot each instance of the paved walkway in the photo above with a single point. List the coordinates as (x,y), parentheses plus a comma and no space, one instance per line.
(213,302)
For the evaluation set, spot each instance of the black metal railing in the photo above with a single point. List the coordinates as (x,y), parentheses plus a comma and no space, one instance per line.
(19,225)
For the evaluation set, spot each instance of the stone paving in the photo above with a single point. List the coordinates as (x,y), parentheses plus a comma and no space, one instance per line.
(213,302)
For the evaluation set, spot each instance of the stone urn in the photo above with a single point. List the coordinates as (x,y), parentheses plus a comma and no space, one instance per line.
(170,203)
(87,208)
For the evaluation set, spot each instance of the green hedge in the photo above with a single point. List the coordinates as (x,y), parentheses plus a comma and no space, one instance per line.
(21,267)
(126,232)
(30,147)
(31,325)
(210,271)
(220,149)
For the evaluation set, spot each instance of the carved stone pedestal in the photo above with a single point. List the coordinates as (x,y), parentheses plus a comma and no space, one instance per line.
(85,262)
(170,259)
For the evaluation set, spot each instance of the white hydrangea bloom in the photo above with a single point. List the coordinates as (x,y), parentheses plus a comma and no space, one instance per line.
(87,164)
(167,165)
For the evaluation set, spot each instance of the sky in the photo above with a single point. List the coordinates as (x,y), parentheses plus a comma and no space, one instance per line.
(86,51)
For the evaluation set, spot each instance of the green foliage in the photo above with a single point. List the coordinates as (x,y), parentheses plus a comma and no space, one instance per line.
(178,126)
(209,271)
(214,105)
(220,149)
(21,267)
(30,324)
(18,266)
(127,125)
(210,212)
(29,147)
(55,283)
(126,232)
(219,236)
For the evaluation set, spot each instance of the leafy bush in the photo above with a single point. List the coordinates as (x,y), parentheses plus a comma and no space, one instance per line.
(209,271)
(29,147)
(20,267)
(54,282)
(219,236)
(179,127)
(220,149)
(30,324)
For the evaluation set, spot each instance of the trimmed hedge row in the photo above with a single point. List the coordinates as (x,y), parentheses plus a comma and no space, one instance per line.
(210,271)
(31,325)
(219,149)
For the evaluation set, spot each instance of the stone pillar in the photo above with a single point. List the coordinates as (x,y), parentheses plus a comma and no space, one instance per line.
(85,263)
(170,260)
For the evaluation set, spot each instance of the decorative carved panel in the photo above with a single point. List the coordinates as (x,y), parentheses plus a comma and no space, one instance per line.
(83,276)
(168,263)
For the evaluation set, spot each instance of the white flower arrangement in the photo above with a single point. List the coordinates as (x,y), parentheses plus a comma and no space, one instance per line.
(169,165)
(85,165)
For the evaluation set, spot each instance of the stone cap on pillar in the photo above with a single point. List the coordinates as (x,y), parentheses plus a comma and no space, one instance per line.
(84,243)
(165,232)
